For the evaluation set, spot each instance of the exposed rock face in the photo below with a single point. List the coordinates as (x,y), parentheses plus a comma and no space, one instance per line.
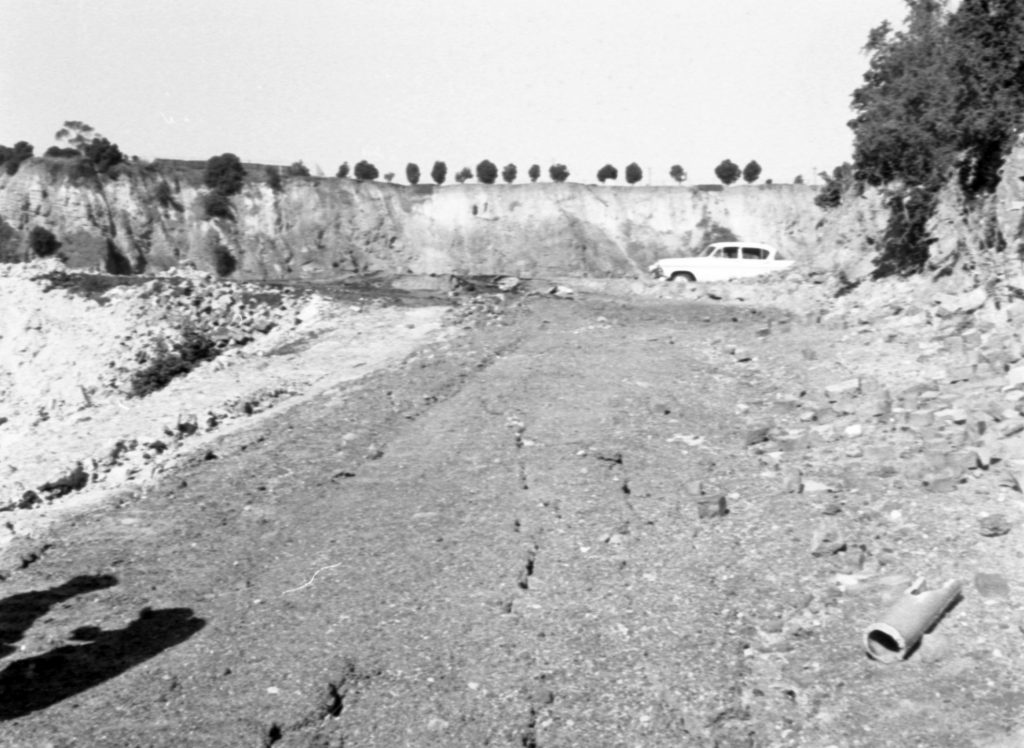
(318,227)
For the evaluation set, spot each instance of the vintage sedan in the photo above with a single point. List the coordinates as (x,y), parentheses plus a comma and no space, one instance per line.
(722,261)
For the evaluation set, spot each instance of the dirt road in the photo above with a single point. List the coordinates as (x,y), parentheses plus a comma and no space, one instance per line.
(492,545)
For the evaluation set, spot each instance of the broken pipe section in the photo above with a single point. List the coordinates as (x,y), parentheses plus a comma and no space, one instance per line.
(892,637)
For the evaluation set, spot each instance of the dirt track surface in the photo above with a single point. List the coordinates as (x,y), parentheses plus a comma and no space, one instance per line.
(491,545)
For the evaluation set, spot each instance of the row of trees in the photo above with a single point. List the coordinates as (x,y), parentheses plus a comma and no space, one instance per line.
(487,172)
(79,141)
(942,99)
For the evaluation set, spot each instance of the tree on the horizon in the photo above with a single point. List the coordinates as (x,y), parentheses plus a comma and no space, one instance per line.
(509,173)
(558,172)
(678,173)
(224,174)
(751,172)
(273,179)
(297,169)
(365,171)
(439,173)
(412,173)
(607,172)
(343,170)
(798,179)
(84,138)
(634,173)
(486,172)
(388,176)
(463,174)
(727,172)
(534,172)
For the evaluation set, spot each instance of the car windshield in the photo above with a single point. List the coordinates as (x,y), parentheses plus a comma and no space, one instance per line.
(718,250)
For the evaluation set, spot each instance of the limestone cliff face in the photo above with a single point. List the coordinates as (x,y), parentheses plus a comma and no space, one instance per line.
(320,227)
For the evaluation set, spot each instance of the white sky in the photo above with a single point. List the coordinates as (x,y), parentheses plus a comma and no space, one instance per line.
(581,82)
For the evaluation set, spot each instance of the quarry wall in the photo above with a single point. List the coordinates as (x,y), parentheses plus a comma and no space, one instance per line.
(150,219)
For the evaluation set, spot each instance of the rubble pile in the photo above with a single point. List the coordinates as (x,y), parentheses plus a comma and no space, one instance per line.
(68,341)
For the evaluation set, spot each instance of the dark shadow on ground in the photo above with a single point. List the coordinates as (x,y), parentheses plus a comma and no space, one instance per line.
(19,612)
(40,682)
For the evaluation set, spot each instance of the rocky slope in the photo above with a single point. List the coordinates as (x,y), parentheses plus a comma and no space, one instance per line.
(315,227)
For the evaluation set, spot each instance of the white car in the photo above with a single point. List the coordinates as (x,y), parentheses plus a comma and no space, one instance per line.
(722,261)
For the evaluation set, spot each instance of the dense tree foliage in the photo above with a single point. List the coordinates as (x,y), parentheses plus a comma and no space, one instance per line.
(12,158)
(55,151)
(751,172)
(486,172)
(942,97)
(343,170)
(634,173)
(558,172)
(412,173)
(678,173)
(439,173)
(534,172)
(297,169)
(509,173)
(89,143)
(607,172)
(365,171)
(727,172)
(224,174)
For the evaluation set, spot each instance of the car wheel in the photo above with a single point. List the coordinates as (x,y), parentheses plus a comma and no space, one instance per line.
(683,277)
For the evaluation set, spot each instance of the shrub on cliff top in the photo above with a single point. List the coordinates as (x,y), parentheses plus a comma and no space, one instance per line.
(440,172)
(751,172)
(727,172)
(343,170)
(224,174)
(634,173)
(678,173)
(12,158)
(365,171)
(463,174)
(509,173)
(558,172)
(486,172)
(607,172)
(534,173)
(412,173)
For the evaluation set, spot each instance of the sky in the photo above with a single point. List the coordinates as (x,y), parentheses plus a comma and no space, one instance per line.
(577,82)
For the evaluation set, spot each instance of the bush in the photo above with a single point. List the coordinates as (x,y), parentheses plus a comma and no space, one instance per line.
(164,197)
(751,172)
(216,205)
(365,171)
(509,173)
(439,173)
(343,170)
(224,263)
(55,151)
(42,242)
(634,173)
(103,154)
(169,363)
(486,172)
(463,174)
(412,173)
(298,169)
(607,172)
(558,172)
(534,173)
(678,173)
(224,174)
(13,157)
(727,172)
(274,179)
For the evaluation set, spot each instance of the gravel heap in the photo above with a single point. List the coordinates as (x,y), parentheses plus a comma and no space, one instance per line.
(71,340)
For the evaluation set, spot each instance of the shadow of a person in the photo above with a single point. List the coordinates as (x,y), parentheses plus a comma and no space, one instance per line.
(39,682)
(19,612)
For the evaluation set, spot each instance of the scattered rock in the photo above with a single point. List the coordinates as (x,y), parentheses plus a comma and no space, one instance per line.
(991,585)
(994,525)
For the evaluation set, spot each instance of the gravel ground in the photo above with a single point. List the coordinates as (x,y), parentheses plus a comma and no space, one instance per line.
(499,541)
